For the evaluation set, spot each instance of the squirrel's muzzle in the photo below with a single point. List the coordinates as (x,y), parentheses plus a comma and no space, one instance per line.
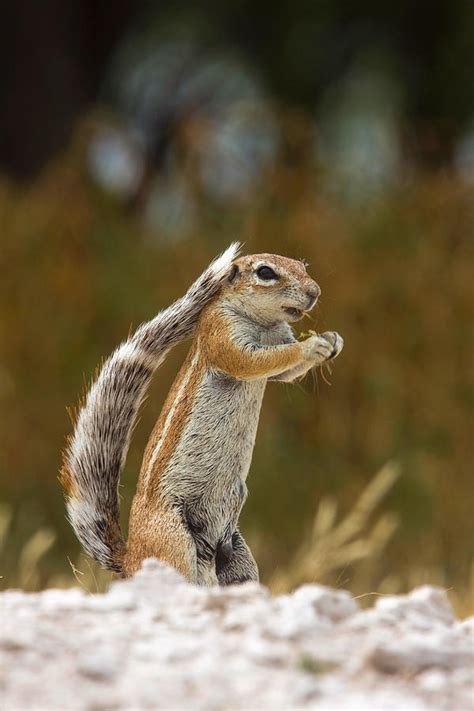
(313,295)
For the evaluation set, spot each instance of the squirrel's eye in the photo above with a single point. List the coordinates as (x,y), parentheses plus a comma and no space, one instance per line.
(266,273)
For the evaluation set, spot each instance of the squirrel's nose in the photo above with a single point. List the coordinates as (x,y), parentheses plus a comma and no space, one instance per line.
(313,295)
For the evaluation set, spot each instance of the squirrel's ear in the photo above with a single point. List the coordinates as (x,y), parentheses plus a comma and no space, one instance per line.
(233,274)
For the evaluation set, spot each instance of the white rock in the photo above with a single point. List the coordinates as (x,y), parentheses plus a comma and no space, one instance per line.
(336,605)
(155,642)
(425,602)
(433,680)
(415,653)
(97,665)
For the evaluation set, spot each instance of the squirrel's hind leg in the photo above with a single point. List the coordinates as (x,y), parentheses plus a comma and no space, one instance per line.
(239,566)
(206,573)
(160,534)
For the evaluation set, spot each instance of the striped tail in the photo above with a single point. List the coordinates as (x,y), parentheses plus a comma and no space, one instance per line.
(97,449)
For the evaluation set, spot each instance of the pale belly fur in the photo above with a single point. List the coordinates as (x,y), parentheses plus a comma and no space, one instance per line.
(212,459)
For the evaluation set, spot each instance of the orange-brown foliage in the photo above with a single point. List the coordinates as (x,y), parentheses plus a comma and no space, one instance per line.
(396,278)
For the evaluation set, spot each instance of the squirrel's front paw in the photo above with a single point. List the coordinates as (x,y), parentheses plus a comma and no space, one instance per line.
(336,341)
(318,349)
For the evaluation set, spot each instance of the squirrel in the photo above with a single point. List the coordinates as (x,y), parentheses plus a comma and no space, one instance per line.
(192,483)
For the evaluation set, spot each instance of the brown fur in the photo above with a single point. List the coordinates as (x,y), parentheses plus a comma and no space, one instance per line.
(192,487)
(219,346)
(158,531)
(103,425)
(221,353)
(180,415)
(67,481)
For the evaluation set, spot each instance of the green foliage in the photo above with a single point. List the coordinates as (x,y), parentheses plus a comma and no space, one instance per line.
(312,665)
(396,281)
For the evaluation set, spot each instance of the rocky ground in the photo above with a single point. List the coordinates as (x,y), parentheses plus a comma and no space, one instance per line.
(155,642)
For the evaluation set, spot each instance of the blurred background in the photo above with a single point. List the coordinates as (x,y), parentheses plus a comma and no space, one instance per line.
(137,139)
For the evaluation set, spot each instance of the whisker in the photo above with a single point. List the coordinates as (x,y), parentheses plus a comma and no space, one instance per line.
(323,374)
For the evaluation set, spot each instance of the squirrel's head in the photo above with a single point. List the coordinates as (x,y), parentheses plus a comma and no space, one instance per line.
(272,289)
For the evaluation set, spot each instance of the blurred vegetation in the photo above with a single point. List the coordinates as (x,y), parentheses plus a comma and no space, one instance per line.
(79,267)
(56,60)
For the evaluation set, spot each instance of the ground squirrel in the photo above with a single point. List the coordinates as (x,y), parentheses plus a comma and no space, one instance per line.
(191,487)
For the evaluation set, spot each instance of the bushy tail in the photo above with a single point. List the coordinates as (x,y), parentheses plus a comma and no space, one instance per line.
(97,449)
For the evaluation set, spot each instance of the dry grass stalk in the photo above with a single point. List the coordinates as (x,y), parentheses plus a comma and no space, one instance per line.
(331,546)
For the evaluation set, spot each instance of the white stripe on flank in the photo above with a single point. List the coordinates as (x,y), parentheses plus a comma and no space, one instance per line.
(169,417)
